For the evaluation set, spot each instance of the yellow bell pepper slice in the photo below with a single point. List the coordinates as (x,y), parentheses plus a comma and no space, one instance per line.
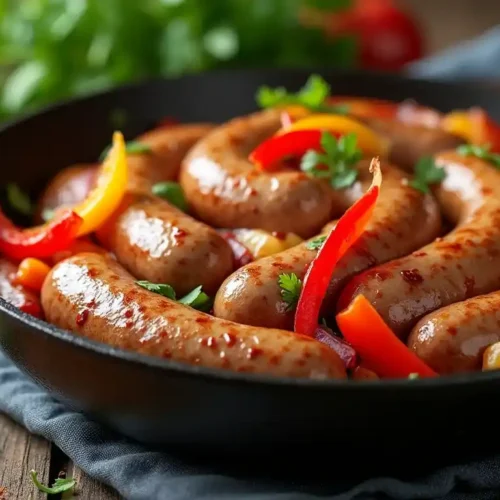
(491,357)
(369,141)
(111,185)
(459,123)
(262,244)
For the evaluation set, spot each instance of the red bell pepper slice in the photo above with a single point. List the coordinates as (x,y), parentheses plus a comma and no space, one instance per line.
(347,230)
(41,241)
(269,154)
(379,348)
(486,130)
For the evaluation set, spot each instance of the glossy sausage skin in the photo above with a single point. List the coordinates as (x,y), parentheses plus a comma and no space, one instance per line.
(451,269)
(93,296)
(158,243)
(404,219)
(225,190)
(17,295)
(454,338)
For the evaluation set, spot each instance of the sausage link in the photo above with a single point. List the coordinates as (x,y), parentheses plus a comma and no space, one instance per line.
(225,190)
(454,338)
(17,295)
(451,269)
(403,220)
(93,296)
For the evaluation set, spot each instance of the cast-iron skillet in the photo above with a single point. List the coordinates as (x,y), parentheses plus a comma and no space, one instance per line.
(161,402)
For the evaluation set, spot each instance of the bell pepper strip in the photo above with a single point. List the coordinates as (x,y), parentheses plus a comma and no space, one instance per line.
(269,154)
(368,140)
(31,274)
(40,241)
(379,348)
(345,233)
(110,186)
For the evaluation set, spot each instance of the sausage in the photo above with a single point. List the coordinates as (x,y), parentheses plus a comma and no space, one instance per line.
(454,338)
(453,268)
(93,296)
(17,295)
(159,243)
(408,143)
(251,295)
(225,190)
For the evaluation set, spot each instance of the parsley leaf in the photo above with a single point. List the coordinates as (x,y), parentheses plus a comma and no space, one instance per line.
(60,485)
(316,244)
(197,299)
(291,286)
(131,147)
(19,200)
(336,163)
(172,192)
(313,96)
(482,152)
(161,289)
(427,172)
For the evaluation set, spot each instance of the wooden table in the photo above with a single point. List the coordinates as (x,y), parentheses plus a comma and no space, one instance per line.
(21,452)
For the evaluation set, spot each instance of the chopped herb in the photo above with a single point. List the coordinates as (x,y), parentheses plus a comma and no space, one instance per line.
(313,96)
(413,376)
(60,485)
(197,299)
(316,244)
(161,289)
(336,163)
(482,152)
(131,147)
(172,192)
(19,200)
(427,172)
(291,286)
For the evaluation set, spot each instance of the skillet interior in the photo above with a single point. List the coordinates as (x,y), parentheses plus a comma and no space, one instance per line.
(161,402)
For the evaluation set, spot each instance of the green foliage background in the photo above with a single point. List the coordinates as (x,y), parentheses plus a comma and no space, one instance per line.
(55,49)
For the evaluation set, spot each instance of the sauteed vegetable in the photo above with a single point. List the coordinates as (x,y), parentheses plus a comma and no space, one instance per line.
(307,239)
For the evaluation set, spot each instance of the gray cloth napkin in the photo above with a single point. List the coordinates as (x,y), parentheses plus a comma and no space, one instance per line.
(141,474)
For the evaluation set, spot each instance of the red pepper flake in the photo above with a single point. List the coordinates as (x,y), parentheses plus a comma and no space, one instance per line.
(254,352)
(208,342)
(412,276)
(452,330)
(279,234)
(82,317)
(420,254)
(230,339)
(128,313)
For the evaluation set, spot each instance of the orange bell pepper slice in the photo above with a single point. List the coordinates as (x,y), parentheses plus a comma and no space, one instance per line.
(31,274)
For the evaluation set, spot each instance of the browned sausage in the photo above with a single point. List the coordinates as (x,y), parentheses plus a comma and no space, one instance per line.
(159,243)
(225,190)
(251,295)
(451,269)
(93,296)
(17,295)
(454,338)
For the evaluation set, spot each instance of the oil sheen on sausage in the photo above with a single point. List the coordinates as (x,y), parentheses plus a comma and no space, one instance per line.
(93,296)
(451,269)
(404,219)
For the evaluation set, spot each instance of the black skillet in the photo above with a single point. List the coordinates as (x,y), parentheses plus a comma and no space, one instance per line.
(164,403)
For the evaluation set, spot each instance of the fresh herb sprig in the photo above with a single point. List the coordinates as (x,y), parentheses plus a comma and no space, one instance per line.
(196,298)
(336,163)
(481,152)
(316,244)
(131,147)
(60,485)
(426,173)
(312,96)
(171,192)
(291,286)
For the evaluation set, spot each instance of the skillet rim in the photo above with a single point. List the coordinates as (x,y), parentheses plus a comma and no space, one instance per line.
(218,374)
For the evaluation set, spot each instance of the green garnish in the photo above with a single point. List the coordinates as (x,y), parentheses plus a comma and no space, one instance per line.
(60,485)
(291,286)
(413,376)
(316,244)
(426,173)
(196,298)
(18,199)
(337,161)
(131,147)
(172,192)
(312,95)
(481,152)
